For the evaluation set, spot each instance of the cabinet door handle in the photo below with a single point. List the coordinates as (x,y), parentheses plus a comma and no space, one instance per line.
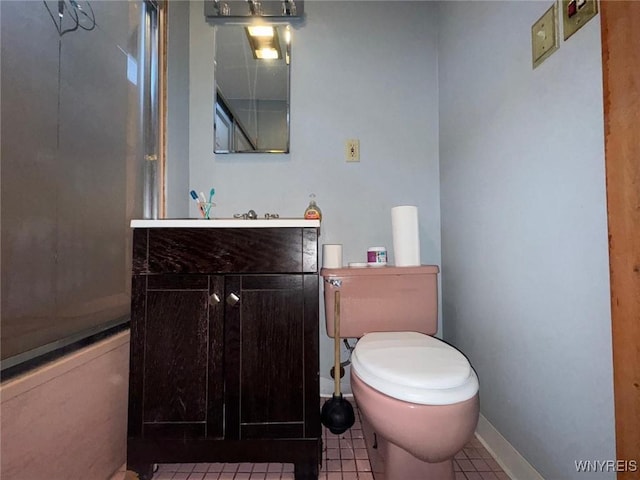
(233,299)
(214,299)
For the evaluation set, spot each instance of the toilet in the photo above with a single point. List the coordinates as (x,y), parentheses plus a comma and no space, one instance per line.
(417,395)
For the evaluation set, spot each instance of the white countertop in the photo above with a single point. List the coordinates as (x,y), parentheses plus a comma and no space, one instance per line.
(224,223)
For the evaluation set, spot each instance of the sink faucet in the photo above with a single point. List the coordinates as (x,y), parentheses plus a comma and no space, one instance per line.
(251,215)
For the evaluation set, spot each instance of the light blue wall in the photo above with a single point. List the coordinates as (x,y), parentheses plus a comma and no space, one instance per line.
(524,233)
(345,83)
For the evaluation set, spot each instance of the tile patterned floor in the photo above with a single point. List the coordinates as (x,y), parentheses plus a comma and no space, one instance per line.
(344,458)
(474,462)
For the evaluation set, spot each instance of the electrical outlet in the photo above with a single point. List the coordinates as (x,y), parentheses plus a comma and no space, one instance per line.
(544,36)
(575,13)
(352,150)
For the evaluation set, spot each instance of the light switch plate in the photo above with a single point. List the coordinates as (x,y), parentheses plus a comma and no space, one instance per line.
(352,150)
(575,13)
(544,36)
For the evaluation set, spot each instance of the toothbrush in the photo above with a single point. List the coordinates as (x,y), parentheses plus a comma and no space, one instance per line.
(212,192)
(194,195)
(203,199)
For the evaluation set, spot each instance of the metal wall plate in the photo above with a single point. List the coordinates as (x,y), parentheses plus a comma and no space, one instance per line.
(575,13)
(544,36)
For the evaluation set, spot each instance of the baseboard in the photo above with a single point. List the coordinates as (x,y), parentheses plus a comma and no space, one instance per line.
(513,464)
(327,387)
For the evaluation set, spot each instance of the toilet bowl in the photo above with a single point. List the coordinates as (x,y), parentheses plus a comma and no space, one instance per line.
(419,401)
(417,395)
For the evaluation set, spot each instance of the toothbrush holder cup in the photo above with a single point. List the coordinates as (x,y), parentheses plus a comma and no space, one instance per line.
(206,209)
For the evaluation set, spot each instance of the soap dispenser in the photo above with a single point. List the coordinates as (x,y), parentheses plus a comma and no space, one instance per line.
(313,211)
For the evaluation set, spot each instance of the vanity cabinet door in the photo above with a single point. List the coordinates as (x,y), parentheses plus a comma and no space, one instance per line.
(177,354)
(265,356)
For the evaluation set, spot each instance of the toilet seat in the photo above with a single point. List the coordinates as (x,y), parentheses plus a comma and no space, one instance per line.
(414,367)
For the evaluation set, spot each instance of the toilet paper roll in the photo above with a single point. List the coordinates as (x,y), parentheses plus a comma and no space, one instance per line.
(406,236)
(332,255)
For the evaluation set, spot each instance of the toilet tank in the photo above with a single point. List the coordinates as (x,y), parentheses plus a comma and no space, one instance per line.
(382,299)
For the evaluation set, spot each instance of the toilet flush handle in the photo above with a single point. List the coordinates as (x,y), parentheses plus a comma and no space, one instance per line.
(334,282)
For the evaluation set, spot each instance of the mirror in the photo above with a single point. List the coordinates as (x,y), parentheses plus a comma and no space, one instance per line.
(252,88)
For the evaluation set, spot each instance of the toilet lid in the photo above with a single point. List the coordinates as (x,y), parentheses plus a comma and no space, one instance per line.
(414,367)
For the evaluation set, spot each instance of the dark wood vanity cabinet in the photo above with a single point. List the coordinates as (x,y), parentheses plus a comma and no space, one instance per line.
(224,348)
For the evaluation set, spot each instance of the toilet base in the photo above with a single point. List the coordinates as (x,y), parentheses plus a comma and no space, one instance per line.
(390,462)
(430,435)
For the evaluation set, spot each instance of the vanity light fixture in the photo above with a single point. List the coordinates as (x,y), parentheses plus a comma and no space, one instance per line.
(225,9)
(264,42)
(289,8)
(255,7)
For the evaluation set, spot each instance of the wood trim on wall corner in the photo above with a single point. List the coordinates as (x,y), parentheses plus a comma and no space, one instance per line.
(620,26)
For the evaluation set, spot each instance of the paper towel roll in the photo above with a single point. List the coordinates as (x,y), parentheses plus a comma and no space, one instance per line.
(406,236)
(332,255)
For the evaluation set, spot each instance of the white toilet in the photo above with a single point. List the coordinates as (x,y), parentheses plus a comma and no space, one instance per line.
(417,395)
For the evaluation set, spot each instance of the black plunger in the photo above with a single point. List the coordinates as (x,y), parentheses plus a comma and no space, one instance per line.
(337,413)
